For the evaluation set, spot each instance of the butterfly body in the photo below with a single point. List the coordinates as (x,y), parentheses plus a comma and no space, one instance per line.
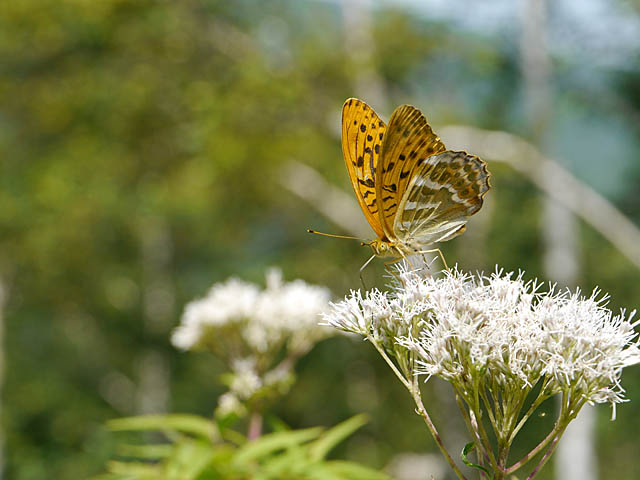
(412,190)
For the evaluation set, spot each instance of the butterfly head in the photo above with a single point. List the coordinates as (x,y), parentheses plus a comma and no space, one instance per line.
(383,248)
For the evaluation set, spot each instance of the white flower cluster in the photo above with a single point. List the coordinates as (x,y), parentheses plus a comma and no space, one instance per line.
(247,380)
(237,319)
(462,328)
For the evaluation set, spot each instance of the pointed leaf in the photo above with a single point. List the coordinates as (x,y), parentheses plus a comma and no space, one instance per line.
(189,460)
(192,424)
(149,452)
(354,471)
(335,435)
(135,470)
(272,442)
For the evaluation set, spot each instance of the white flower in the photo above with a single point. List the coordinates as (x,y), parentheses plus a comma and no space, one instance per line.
(377,314)
(494,339)
(236,319)
(229,403)
(230,302)
(246,380)
(287,312)
(465,329)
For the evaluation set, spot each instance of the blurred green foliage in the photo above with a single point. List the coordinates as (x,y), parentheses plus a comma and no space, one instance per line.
(141,148)
(200,449)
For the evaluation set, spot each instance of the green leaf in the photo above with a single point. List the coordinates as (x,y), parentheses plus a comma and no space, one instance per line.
(272,442)
(189,460)
(291,463)
(115,476)
(150,452)
(354,471)
(276,424)
(233,437)
(465,451)
(335,435)
(323,471)
(134,470)
(192,424)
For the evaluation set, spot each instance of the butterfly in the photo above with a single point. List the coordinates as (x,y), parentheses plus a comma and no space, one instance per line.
(412,190)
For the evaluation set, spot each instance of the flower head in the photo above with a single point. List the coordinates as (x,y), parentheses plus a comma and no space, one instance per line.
(468,328)
(258,333)
(237,319)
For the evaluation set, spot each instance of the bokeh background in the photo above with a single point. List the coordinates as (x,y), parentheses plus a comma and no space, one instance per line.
(151,148)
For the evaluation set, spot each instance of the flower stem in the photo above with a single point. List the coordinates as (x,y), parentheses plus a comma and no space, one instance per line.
(535,451)
(542,396)
(415,393)
(255,426)
(476,412)
(547,455)
(384,355)
(473,431)
(414,390)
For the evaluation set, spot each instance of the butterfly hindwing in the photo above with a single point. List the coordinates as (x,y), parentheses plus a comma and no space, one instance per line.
(444,191)
(362,136)
(408,142)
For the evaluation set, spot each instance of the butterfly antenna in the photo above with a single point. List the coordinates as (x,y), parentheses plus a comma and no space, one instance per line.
(362,241)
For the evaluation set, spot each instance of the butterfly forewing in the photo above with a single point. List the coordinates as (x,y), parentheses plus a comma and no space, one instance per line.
(362,134)
(408,142)
(443,192)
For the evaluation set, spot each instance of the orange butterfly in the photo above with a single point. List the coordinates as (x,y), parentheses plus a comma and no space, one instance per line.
(412,190)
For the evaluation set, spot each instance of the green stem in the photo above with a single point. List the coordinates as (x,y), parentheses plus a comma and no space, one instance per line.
(384,355)
(415,393)
(564,418)
(489,406)
(547,455)
(414,390)
(537,402)
(474,433)
(477,413)
(524,460)
(477,430)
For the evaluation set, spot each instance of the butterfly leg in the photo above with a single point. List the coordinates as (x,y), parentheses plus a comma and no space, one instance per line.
(364,287)
(444,262)
(391,262)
